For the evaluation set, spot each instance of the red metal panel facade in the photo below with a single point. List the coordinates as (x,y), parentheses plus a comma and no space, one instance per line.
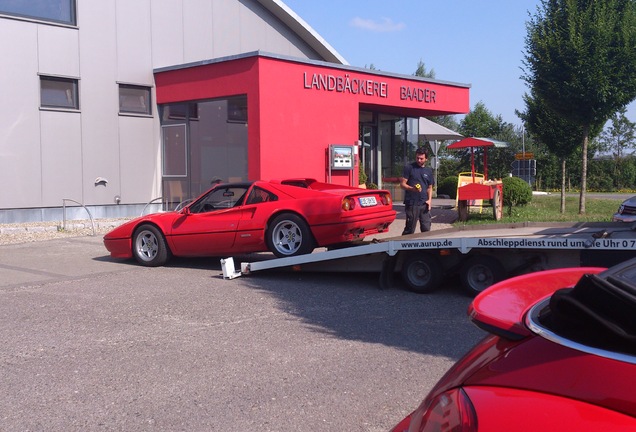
(296,109)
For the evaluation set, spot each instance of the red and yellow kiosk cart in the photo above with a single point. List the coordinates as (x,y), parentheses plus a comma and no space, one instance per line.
(475,188)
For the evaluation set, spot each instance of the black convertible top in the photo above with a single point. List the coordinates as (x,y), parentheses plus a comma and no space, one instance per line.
(599,311)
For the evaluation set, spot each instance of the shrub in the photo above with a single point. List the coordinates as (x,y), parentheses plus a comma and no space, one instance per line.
(362,176)
(448,186)
(516,192)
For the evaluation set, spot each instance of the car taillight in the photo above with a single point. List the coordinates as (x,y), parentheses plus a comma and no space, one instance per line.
(348,204)
(450,411)
(385,199)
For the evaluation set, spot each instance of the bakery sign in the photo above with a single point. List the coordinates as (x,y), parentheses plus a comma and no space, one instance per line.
(347,84)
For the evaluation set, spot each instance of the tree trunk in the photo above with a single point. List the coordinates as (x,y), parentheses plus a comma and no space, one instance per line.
(563,185)
(586,138)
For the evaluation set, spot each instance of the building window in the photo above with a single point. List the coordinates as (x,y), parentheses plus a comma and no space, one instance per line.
(180,111)
(213,148)
(58,92)
(134,99)
(237,110)
(58,11)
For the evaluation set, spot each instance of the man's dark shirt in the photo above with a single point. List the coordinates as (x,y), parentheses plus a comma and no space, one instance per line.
(415,174)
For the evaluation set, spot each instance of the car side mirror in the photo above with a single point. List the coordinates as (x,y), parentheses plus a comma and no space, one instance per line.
(186,211)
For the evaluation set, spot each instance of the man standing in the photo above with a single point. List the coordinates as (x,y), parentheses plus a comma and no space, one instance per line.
(417,180)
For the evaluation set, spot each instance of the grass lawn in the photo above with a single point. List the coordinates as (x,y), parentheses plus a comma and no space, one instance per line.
(546,208)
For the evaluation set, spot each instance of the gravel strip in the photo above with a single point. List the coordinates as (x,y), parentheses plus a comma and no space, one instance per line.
(40,231)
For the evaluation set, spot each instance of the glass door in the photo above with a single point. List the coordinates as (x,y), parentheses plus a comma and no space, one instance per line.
(367,153)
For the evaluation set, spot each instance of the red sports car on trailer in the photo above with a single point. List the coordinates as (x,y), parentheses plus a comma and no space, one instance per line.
(561,357)
(286,217)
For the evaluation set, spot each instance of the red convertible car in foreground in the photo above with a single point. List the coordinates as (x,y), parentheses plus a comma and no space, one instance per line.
(561,357)
(287,217)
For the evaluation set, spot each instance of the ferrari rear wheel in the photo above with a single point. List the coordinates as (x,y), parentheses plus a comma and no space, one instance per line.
(149,246)
(288,235)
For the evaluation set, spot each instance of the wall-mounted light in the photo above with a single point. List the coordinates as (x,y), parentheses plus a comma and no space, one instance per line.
(101,181)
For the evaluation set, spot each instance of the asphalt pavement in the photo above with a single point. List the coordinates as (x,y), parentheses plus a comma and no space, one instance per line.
(92,343)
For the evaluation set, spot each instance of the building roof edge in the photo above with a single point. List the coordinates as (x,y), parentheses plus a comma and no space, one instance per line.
(300,27)
(346,67)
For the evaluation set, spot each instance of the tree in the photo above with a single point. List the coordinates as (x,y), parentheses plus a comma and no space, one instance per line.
(481,123)
(560,136)
(620,136)
(500,160)
(421,71)
(616,139)
(581,62)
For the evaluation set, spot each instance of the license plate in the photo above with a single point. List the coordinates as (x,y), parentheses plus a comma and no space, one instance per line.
(367,201)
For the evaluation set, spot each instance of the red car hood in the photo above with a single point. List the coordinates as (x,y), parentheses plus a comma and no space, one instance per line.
(165,220)
(501,308)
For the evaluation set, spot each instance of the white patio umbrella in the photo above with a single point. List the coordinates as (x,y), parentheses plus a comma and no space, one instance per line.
(431,131)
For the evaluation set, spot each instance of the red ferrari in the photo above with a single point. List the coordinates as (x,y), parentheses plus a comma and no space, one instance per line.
(561,357)
(288,217)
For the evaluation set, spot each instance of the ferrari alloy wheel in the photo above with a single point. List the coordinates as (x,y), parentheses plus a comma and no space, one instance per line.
(149,246)
(480,272)
(422,272)
(289,235)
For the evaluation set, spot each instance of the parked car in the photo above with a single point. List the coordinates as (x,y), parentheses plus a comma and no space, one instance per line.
(288,217)
(626,211)
(561,356)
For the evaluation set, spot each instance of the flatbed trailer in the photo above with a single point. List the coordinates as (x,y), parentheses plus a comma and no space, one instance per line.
(480,254)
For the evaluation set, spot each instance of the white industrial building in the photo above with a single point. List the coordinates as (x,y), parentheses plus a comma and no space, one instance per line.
(78,121)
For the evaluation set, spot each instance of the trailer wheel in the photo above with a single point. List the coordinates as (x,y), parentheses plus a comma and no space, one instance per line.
(480,272)
(462,210)
(422,273)
(497,205)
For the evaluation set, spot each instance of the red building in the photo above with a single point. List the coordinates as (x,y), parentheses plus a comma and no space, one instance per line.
(264,116)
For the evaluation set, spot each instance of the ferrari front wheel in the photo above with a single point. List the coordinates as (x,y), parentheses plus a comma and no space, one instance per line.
(288,235)
(149,246)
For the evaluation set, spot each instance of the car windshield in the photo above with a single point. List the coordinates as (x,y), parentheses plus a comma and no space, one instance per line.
(219,198)
(599,311)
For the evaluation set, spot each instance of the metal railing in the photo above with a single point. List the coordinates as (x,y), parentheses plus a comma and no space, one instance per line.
(177,208)
(64,200)
(143,211)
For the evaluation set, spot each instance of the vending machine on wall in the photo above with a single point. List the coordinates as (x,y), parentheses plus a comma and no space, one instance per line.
(342,157)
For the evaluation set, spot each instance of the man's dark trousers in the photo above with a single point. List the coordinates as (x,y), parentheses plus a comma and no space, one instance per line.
(415,213)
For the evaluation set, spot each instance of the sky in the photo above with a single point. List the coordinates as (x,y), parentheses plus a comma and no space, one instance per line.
(476,42)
